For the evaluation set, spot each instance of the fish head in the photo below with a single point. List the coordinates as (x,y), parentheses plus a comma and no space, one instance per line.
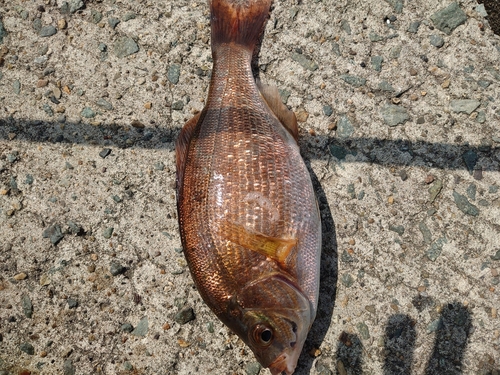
(276,318)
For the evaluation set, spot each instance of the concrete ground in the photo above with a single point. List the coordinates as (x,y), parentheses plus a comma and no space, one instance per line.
(399,110)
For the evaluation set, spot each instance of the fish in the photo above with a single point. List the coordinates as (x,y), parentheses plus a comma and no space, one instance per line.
(248,216)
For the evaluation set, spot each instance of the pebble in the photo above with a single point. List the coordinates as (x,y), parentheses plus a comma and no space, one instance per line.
(127,327)
(62,24)
(344,127)
(399,229)
(68,368)
(159,166)
(347,280)
(464,105)
(284,95)
(178,105)
(27,348)
(17,86)
(142,328)
(113,22)
(480,9)
(253,368)
(72,6)
(27,306)
(426,233)
(394,115)
(434,190)
(95,16)
(321,369)
(339,152)
(327,110)
(47,31)
(471,191)
(129,16)
(353,80)
(37,24)
(88,112)
(403,175)
(464,205)
(470,158)
(75,228)
(436,40)
(496,256)
(305,62)
(363,330)
(434,326)
(54,233)
(128,366)
(48,109)
(413,28)
(125,46)
(3,32)
(385,86)
(137,124)
(185,315)
(173,73)
(377,63)
(117,199)
(494,72)
(336,49)
(103,103)
(72,303)
(105,152)
(344,25)
(449,18)
(395,51)
(374,37)
(435,250)
(116,268)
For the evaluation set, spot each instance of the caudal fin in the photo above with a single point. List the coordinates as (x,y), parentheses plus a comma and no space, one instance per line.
(238,21)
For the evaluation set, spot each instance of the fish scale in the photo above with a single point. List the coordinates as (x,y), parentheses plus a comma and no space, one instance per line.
(248,217)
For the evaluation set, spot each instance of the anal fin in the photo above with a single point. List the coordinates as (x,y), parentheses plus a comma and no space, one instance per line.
(273,100)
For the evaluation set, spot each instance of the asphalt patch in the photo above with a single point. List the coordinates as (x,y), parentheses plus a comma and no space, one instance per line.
(493,9)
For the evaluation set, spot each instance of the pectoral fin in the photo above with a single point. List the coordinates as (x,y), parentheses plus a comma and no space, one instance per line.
(273,100)
(271,247)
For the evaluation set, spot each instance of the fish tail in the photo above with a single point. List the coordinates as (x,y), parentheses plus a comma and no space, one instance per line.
(238,21)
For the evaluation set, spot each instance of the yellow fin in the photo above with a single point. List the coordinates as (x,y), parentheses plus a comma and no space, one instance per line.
(272,247)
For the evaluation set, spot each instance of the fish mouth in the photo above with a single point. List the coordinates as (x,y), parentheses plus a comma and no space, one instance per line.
(282,364)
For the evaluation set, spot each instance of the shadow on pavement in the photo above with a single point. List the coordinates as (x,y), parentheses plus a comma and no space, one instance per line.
(399,343)
(450,343)
(397,152)
(349,356)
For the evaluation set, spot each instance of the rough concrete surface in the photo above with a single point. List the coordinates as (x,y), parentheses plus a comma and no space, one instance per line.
(399,110)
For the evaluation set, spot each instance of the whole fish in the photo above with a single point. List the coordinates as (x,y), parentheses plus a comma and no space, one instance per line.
(248,216)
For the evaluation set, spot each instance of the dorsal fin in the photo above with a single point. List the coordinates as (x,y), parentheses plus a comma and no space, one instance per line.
(181,148)
(273,100)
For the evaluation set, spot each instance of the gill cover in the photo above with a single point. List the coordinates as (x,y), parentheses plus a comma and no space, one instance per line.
(275,319)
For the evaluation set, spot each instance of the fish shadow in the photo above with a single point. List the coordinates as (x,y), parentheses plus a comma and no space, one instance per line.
(328,279)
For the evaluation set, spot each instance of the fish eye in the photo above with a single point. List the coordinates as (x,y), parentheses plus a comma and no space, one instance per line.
(266,335)
(263,335)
